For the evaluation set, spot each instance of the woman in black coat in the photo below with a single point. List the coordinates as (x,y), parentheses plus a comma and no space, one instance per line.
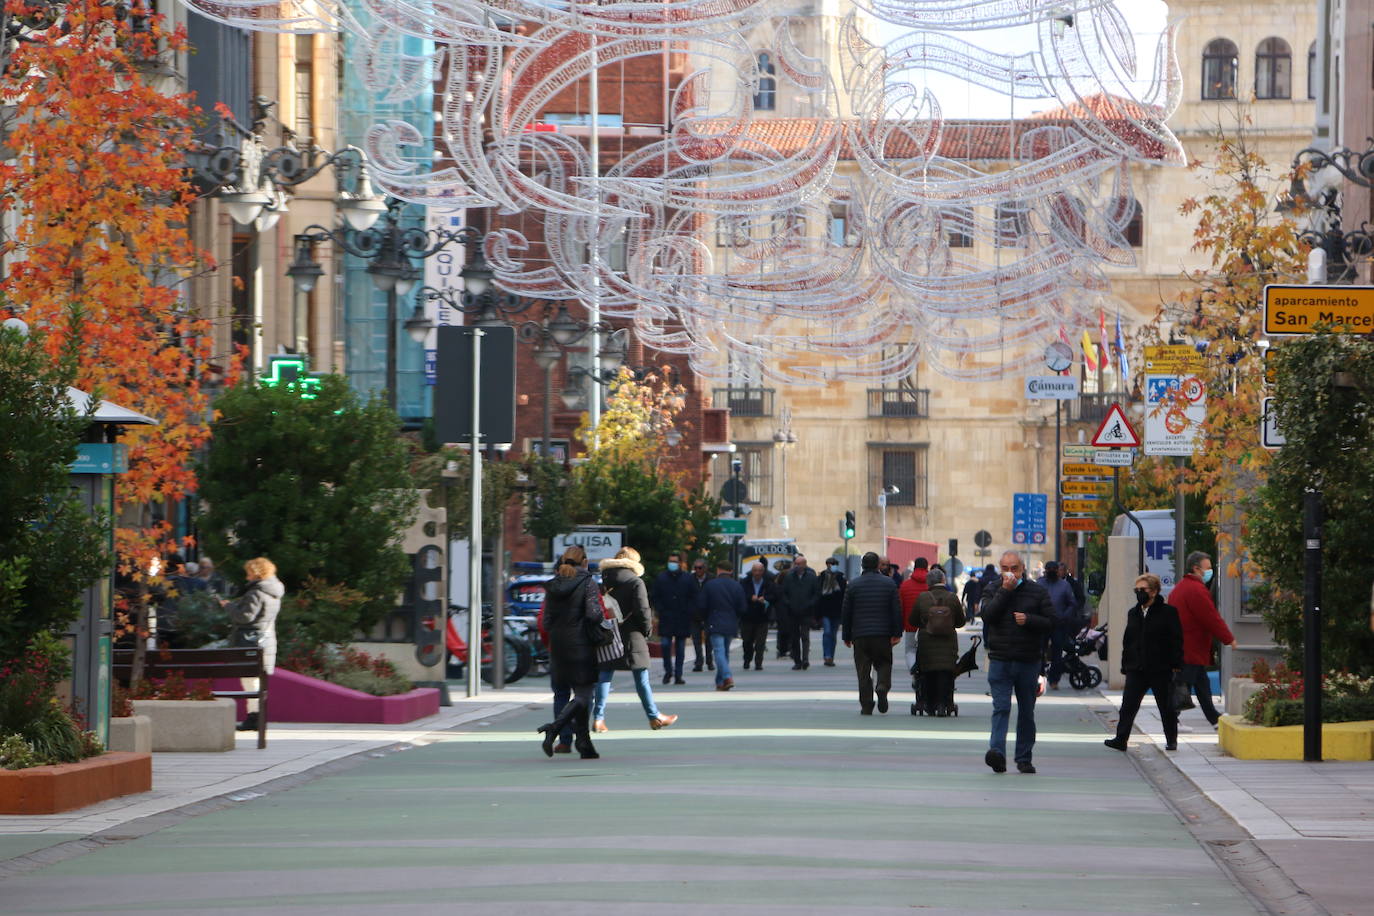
(1151,654)
(572,603)
(622,578)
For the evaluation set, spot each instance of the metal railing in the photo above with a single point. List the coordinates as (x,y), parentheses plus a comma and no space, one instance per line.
(899,403)
(744,402)
(1093,407)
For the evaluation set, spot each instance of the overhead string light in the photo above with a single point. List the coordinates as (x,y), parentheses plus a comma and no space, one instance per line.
(853,236)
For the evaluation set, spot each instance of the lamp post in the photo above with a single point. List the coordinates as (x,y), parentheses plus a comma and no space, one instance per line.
(784,438)
(390,250)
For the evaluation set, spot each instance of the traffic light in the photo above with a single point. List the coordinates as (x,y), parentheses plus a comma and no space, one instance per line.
(849,525)
(954,547)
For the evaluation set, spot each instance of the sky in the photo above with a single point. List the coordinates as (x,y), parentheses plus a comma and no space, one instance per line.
(958,98)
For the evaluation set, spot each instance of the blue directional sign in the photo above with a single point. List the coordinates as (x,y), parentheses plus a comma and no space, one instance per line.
(1028,514)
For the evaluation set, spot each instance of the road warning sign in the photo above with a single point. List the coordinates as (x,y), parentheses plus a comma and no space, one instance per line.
(1116,431)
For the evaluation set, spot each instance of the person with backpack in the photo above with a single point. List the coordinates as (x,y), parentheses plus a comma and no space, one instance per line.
(830,607)
(937,615)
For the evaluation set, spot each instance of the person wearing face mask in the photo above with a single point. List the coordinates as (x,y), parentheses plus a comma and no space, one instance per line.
(1065,620)
(1151,654)
(1197,613)
(674,599)
(1017,614)
(830,607)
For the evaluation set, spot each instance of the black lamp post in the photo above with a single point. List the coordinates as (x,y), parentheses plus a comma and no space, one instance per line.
(389,248)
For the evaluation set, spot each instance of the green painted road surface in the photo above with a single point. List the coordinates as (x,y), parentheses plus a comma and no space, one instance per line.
(777,797)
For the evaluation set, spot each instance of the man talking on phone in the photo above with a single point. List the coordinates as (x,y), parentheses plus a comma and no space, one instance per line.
(1017,613)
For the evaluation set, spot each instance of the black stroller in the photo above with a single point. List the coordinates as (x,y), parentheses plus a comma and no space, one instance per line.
(967,662)
(1089,640)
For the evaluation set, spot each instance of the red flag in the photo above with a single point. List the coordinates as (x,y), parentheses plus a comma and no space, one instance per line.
(1102,336)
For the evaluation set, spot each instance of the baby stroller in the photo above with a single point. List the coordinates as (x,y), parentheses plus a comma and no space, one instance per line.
(1089,640)
(967,662)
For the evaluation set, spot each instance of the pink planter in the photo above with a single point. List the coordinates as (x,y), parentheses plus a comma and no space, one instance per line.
(294,697)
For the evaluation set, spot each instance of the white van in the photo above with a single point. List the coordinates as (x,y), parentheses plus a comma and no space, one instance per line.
(1159,541)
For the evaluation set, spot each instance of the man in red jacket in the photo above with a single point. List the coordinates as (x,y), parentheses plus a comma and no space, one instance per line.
(909,591)
(1201,623)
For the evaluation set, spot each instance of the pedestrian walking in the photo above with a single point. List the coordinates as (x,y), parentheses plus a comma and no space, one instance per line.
(781,616)
(938,615)
(871,624)
(753,624)
(889,569)
(622,580)
(675,599)
(562,693)
(722,605)
(700,576)
(1016,616)
(1065,620)
(1151,654)
(801,588)
(911,589)
(254,616)
(1197,614)
(830,607)
(572,608)
(973,593)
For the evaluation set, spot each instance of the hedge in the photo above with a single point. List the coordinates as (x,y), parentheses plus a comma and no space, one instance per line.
(1337,709)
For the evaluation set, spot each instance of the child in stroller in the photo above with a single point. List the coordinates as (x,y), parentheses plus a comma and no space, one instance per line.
(1089,640)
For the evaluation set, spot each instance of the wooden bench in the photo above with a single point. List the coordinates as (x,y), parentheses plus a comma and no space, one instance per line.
(203,665)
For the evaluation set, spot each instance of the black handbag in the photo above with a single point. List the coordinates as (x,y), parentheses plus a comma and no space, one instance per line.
(245,638)
(1183,697)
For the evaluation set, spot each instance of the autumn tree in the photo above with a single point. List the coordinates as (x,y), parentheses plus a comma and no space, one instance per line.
(97,190)
(1248,244)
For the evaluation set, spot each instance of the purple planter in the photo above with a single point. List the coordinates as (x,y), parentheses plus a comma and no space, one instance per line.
(294,697)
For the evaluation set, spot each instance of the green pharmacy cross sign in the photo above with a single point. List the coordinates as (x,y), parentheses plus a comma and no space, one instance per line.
(289,371)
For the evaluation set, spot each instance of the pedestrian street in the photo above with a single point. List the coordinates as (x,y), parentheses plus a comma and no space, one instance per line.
(775,797)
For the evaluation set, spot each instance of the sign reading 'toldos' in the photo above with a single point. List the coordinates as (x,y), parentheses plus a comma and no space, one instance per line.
(1311,309)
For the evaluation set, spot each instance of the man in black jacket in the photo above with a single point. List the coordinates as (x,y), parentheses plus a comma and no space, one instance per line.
(753,623)
(1017,614)
(800,590)
(871,624)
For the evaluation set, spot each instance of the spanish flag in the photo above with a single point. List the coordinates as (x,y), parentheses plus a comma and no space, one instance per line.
(1089,351)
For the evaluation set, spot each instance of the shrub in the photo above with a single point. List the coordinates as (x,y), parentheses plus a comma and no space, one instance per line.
(200,620)
(348,668)
(17,754)
(1279,702)
(1336,709)
(173,687)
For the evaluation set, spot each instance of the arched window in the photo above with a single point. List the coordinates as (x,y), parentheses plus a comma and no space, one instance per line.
(766,98)
(1312,70)
(1273,69)
(1127,213)
(1220,62)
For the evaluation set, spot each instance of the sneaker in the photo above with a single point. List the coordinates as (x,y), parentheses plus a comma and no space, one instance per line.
(882,702)
(1025,767)
(996,759)
(1116,744)
(729,682)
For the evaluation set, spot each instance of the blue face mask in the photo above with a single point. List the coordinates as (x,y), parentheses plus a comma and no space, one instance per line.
(1206,577)
(672,567)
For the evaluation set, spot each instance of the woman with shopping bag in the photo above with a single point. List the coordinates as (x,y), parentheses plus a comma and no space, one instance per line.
(622,578)
(1151,656)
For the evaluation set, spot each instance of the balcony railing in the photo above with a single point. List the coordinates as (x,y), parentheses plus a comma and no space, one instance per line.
(899,403)
(744,402)
(1092,407)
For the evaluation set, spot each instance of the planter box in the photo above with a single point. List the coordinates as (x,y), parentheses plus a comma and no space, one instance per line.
(190,725)
(294,697)
(48,790)
(1340,740)
(131,733)
(1238,690)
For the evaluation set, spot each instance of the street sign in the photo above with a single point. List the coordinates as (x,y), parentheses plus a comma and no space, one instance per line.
(1085,488)
(1175,408)
(1114,458)
(1080,524)
(1082,504)
(1080,469)
(1078,451)
(1051,387)
(453,391)
(1173,359)
(1298,309)
(600,543)
(1270,434)
(1116,431)
(734,527)
(982,539)
(1029,511)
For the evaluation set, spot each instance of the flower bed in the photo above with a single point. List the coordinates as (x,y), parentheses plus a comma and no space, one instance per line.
(293,697)
(1279,700)
(349,668)
(63,787)
(36,730)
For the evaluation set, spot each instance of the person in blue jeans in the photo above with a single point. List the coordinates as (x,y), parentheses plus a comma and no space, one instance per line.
(622,577)
(1017,613)
(830,607)
(722,603)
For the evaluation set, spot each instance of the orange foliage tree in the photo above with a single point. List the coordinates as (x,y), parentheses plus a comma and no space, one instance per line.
(98,192)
